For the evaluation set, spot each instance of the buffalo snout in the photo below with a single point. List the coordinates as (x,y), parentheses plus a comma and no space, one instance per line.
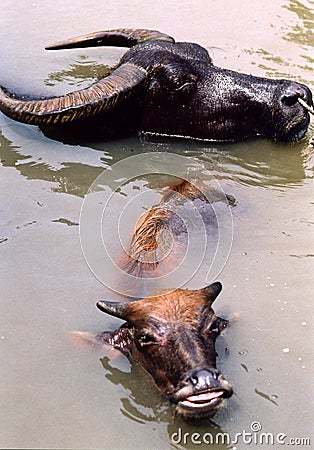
(201,393)
(287,119)
(204,378)
(293,92)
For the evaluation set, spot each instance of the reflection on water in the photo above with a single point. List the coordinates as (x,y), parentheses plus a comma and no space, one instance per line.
(144,404)
(266,397)
(72,178)
(302,32)
(84,72)
(256,163)
(298,30)
(137,404)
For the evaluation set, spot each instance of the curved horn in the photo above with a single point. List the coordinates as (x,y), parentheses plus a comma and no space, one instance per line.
(99,97)
(122,37)
(115,309)
(212,291)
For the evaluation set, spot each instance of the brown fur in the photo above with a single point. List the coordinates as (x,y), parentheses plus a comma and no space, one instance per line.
(173,306)
(186,189)
(149,254)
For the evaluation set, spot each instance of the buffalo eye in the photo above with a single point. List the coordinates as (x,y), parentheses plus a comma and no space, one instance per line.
(185,84)
(146,339)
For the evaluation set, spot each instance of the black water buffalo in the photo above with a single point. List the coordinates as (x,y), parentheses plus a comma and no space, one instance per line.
(173,89)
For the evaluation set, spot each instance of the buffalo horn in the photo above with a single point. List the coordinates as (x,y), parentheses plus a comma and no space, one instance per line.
(101,96)
(115,309)
(122,37)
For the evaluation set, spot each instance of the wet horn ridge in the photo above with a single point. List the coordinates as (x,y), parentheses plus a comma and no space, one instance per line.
(83,104)
(122,37)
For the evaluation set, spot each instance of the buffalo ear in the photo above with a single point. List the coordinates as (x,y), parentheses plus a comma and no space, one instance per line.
(121,339)
(212,291)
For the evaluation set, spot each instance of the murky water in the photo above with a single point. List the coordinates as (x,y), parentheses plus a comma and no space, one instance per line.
(56,395)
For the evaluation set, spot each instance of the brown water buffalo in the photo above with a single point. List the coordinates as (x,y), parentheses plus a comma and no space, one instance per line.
(172,332)
(166,88)
(172,335)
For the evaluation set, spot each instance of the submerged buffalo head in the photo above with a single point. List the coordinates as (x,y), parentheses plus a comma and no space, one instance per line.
(172,335)
(163,87)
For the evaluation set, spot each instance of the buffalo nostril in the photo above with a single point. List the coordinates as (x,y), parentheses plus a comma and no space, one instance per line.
(193,379)
(290,100)
(293,93)
(204,377)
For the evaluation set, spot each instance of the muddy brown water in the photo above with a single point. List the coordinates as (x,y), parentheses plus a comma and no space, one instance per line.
(55,394)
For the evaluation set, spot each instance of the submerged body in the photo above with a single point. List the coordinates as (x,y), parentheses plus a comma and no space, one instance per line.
(167,88)
(171,332)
